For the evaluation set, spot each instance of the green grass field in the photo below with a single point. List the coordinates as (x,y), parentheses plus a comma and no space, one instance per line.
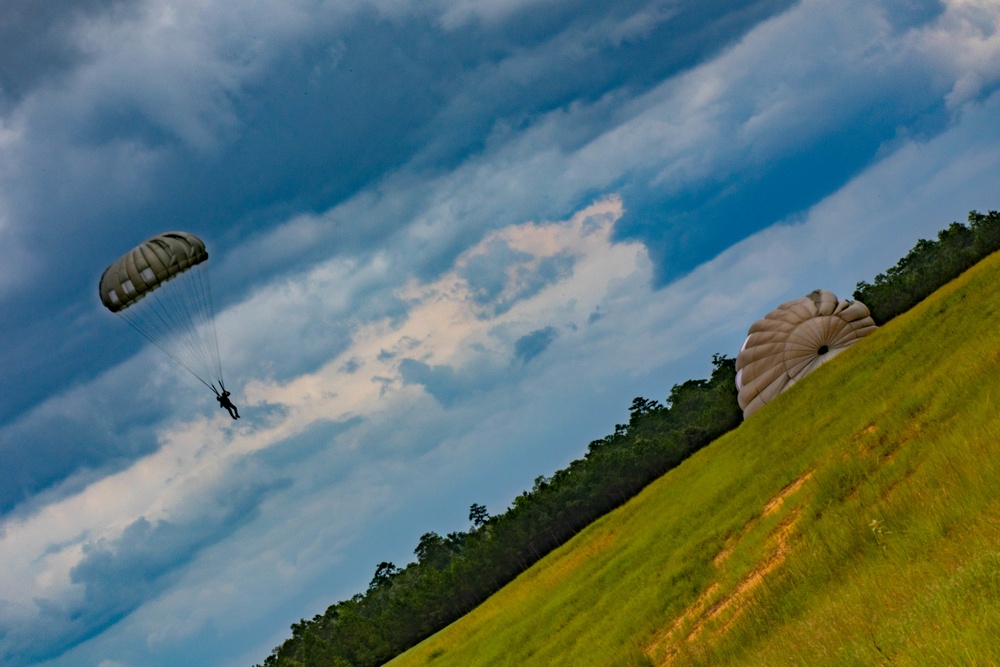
(854,521)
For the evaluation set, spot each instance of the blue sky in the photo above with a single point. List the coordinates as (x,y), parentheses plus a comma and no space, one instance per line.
(451,240)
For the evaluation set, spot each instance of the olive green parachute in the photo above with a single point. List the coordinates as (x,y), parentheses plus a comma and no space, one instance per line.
(793,340)
(161,289)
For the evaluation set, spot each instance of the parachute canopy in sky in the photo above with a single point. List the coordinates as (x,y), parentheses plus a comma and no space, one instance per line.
(793,340)
(161,289)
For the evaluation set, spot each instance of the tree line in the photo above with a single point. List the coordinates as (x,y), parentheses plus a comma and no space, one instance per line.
(929,265)
(454,573)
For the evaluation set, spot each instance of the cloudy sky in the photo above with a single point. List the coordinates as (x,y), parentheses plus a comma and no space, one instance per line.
(451,240)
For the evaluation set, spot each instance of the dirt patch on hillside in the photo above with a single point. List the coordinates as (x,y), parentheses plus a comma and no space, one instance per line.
(774,504)
(723,608)
(778,544)
(873,441)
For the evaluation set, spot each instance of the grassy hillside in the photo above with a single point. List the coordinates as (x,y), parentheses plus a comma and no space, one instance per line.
(855,520)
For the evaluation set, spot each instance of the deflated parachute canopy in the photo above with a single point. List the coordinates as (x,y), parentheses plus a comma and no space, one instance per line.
(161,289)
(793,340)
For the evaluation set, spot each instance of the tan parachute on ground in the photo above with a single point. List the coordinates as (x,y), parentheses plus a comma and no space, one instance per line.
(161,289)
(793,340)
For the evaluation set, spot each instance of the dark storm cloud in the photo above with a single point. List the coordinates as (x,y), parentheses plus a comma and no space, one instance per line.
(40,456)
(500,276)
(451,386)
(487,272)
(531,345)
(683,228)
(439,380)
(36,41)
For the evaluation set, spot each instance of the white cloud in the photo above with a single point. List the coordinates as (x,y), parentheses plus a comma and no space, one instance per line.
(444,323)
(967,38)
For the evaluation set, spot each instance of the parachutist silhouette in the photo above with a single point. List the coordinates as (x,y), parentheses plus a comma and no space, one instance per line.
(224,402)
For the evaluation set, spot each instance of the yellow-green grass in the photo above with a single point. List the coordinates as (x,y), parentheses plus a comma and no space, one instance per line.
(853,521)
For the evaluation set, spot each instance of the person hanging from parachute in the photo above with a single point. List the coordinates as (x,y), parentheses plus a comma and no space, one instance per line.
(161,289)
(224,402)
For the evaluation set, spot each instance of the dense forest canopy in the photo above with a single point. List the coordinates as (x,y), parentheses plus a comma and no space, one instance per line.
(454,573)
(929,265)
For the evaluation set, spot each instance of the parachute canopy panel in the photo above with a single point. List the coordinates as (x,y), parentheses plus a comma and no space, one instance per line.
(149,265)
(793,340)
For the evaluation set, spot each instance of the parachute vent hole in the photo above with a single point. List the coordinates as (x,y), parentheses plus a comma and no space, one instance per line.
(823,350)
